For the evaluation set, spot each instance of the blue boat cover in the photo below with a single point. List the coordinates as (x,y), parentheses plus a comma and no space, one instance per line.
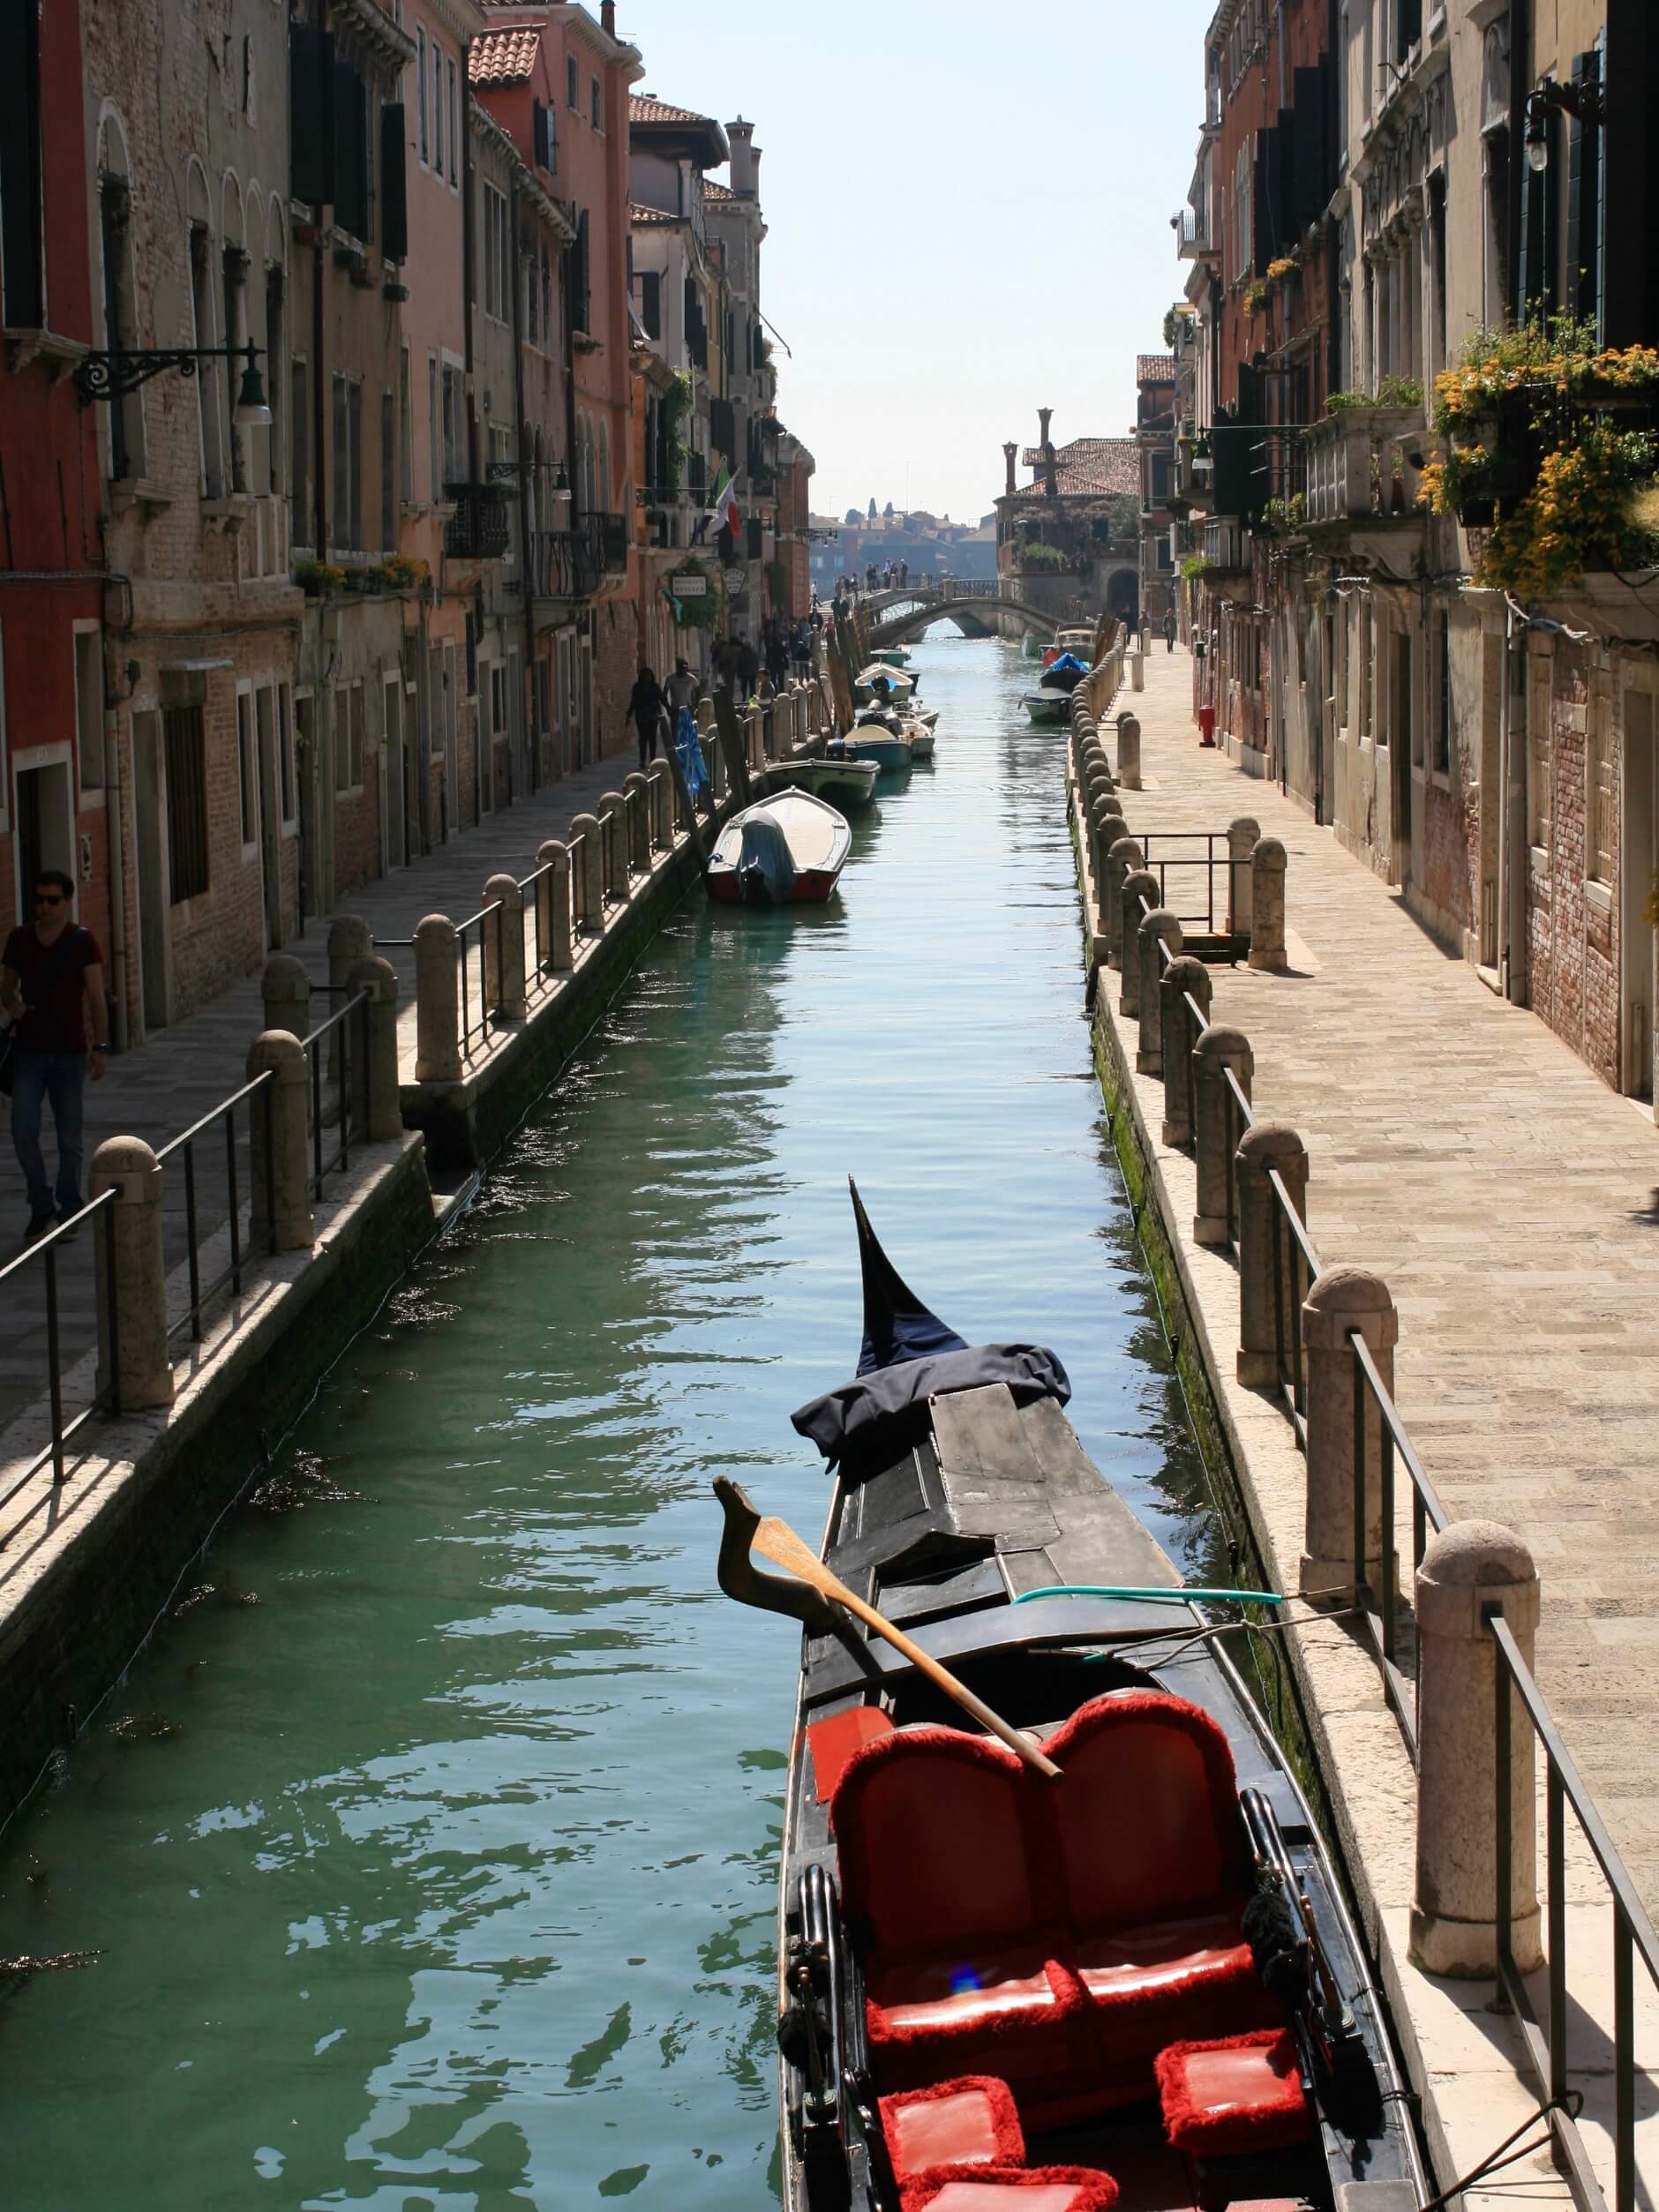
(1065,664)
(909,1355)
(766,868)
(690,752)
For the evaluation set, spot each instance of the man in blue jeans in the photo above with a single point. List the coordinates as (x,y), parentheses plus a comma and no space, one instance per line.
(51,979)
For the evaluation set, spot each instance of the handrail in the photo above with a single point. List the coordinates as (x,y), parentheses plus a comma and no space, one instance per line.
(346,1095)
(106,1396)
(185,1142)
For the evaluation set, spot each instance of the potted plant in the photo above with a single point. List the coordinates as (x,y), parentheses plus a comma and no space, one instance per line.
(317,578)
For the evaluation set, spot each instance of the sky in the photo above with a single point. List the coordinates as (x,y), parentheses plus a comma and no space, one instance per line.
(967,209)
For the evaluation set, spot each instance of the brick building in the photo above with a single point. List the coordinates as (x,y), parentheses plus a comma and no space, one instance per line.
(1071,534)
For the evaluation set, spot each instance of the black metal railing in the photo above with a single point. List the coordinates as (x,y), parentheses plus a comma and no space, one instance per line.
(491,917)
(539,973)
(1208,865)
(345,1034)
(220,1120)
(18,1294)
(479,527)
(1547,2046)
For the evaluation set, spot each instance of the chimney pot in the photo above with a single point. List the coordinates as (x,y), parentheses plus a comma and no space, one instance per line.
(1010,453)
(1045,416)
(607,17)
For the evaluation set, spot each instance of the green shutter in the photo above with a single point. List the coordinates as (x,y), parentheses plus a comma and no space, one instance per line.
(393,182)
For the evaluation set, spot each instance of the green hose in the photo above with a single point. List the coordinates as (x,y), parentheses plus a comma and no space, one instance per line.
(1128,1590)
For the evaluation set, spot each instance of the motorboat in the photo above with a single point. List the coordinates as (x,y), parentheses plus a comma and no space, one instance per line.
(881,741)
(878,683)
(785,851)
(833,773)
(1047,709)
(1056,1924)
(1031,645)
(1064,674)
(892,655)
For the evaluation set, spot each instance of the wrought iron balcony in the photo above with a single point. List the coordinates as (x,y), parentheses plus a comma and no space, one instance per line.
(574,563)
(478,529)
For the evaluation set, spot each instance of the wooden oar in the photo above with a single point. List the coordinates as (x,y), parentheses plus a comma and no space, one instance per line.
(777,1542)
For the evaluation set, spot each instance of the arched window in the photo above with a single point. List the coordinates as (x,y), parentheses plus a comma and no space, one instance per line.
(119,288)
(203,328)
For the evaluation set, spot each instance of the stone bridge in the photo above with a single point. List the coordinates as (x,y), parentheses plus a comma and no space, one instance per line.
(978,610)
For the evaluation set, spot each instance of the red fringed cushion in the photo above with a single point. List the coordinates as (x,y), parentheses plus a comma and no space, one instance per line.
(1014,2189)
(1146,1820)
(1229,2099)
(968,2122)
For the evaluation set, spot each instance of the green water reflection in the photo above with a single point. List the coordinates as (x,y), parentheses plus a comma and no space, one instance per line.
(443,1874)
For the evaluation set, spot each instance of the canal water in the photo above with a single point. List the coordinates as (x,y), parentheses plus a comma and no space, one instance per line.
(429,1850)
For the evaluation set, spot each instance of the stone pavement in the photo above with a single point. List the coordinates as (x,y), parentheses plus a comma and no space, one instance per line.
(182,1072)
(1510,1202)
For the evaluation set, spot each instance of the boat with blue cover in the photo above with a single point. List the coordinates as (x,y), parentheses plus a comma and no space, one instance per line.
(1086,1948)
(783,850)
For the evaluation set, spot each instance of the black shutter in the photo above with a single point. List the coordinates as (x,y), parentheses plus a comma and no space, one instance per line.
(579,287)
(393,182)
(351,152)
(311,69)
(1262,211)
(538,134)
(24,304)
(1584,204)
(1312,178)
(651,303)
(757,542)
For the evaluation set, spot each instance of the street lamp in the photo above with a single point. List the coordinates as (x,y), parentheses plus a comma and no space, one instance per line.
(1586,101)
(111,376)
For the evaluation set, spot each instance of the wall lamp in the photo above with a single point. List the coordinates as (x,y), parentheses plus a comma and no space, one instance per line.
(111,376)
(1586,101)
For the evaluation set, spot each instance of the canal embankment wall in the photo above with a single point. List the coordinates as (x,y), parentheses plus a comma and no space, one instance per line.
(350,1185)
(1463,2052)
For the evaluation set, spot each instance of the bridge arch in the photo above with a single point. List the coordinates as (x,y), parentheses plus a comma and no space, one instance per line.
(906,613)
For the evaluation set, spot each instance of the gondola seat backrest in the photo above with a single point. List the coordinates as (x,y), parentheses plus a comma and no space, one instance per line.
(1144,1821)
(931,1835)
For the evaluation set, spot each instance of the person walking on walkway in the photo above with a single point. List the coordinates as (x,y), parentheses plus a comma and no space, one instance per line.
(51,977)
(645,712)
(1169,631)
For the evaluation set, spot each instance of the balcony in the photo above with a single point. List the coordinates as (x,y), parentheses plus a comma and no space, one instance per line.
(478,529)
(1226,544)
(1363,464)
(574,563)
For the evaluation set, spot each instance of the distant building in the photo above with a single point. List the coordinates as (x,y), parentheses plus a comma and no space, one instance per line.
(1070,534)
(1155,436)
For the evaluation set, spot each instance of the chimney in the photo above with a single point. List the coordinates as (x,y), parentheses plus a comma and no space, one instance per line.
(1045,416)
(607,18)
(741,138)
(1009,453)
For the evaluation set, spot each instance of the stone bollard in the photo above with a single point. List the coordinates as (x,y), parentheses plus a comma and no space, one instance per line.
(1216,1133)
(612,845)
(586,857)
(1184,977)
(286,989)
(1138,672)
(1157,929)
(437,1001)
(1124,858)
(1241,843)
(1340,1301)
(756,725)
(1138,885)
(1106,827)
(661,777)
(714,769)
(705,716)
(383,1116)
(279,1160)
(132,1281)
(639,820)
(1467,1569)
(803,717)
(1270,1145)
(553,889)
(1129,757)
(350,941)
(1267,906)
(504,949)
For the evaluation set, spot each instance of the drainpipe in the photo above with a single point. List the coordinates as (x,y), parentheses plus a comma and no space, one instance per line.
(527,681)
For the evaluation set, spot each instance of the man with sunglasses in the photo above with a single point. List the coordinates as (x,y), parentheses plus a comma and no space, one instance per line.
(51,978)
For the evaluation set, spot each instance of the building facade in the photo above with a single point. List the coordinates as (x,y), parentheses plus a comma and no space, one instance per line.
(1072,535)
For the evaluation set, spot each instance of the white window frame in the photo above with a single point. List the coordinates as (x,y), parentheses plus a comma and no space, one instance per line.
(438,135)
(247,771)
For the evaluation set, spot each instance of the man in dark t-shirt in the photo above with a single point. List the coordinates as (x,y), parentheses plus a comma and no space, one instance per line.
(51,979)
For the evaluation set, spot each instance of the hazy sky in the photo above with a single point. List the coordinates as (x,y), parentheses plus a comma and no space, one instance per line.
(968,215)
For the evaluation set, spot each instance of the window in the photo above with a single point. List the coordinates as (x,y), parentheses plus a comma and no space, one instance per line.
(185,743)
(1443,718)
(579,274)
(22,278)
(274,350)
(206,386)
(1406,729)
(346,529)
(438,109)
(1367,667)
(120,320)
(89,706)
(347,739)
(455,132)
(286,779)
(405,437)
(299,452)
(650,303)
(498,244)
(433,419)
(420,94)
(544,137)
(247,768)
(596,104)
(498,701)
(354,168)
(573,85)
(454,439)
(236,275)
(388,471)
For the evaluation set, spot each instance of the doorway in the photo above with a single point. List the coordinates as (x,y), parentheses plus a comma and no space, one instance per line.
(1491,795)
(1400,753)
(270,814)
(393,801)
(149,816)
(306,776)
(1639,942)
(46,828)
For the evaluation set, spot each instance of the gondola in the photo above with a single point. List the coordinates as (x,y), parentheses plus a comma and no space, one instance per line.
(1131,1981)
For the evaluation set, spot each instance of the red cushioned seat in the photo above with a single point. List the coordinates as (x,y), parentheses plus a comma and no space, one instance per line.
(941,1893)
(970,2121)
(1233,2097)
(1013,2189)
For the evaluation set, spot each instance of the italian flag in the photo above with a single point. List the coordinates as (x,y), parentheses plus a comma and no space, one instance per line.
(725,514)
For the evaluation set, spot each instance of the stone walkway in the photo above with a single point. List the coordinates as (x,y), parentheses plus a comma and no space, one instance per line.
(183,1072)
(1510,1202)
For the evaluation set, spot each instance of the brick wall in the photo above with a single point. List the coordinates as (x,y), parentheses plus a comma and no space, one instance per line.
(1573,928)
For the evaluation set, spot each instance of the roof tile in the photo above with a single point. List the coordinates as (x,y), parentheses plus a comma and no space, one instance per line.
(506,57)
(645,107)
(1090,468)
(1155,367)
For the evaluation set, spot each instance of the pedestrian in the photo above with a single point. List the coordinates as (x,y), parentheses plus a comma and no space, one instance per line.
(1169,631)
(748,663)
(645,712)
(51,978)
(904,573)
